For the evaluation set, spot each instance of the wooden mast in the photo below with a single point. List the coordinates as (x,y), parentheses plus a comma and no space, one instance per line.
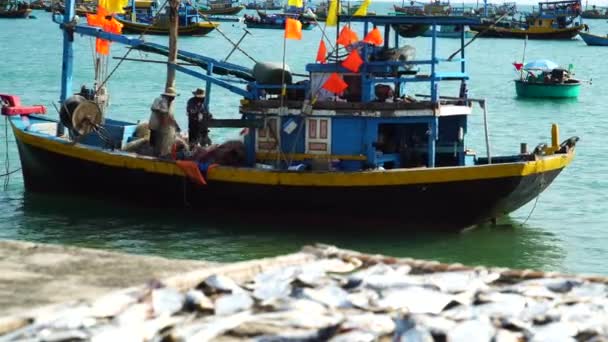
(172,56)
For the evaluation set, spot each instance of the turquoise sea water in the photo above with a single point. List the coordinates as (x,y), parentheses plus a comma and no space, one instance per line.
(566,231)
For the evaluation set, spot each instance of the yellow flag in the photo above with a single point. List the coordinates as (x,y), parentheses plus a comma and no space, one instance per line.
(114,6)
(295,3)
(362,10)
(332,13)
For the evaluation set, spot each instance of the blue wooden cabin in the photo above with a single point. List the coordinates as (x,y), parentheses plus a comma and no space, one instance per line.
(364,129)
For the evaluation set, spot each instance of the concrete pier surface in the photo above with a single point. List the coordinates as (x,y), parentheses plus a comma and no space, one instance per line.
(34,274)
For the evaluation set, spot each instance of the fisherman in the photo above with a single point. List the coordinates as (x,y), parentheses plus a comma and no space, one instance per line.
(162,124)
(198,117)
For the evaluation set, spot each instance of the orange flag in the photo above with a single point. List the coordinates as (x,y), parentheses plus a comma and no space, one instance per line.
(347,36)
(322,52)
(112,25)
(293,29)
(353,61)
(374,37)
(335,84)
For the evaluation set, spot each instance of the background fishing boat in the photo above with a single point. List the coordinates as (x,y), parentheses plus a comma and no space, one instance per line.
(265,5)
(594,40)
(224,7)
(554,20)
(447,31)
(545,79)
(595,13)
(276,20)
(14,9)
(147,21)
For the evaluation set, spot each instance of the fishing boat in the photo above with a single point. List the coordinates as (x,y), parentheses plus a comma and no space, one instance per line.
(191,23)
(266,5)
(14,10)
(545,79)
(37,5)
(276,20)
(449,32)
(554,20)
(434,8)
(310,147)
(595,13)
(594,40)
(224,7)
(346,8)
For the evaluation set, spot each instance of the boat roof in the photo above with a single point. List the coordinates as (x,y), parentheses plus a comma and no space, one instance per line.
(407,19)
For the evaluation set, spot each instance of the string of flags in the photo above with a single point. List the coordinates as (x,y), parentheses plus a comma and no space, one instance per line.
(353,61)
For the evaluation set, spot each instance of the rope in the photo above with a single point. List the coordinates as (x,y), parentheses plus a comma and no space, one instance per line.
(540,185)
(10,173)
(6,156)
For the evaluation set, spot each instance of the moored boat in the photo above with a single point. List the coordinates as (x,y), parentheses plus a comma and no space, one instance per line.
(447,31)
(555,20)
(190,22)
(276,21)
(594,40)
(14,10)
(544,79)
(266,5)
(355,147)
(221,7)
(595,13)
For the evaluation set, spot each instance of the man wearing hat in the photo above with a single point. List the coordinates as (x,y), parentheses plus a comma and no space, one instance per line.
(198,116)
(162,123)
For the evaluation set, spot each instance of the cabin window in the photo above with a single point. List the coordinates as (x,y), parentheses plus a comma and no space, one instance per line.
(268,138)
(318,137)
(402,145)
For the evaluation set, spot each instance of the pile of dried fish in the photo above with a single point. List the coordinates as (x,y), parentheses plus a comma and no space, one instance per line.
(342,297)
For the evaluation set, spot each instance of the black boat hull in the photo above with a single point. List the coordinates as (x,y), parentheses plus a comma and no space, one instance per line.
(499,32)
(453,204)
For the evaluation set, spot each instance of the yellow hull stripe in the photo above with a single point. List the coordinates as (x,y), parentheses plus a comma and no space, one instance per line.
(339,179)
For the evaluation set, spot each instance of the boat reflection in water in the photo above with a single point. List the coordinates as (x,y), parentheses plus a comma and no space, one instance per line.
(190,234)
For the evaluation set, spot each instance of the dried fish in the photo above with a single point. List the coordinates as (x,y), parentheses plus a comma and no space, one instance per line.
(555,332)
(231,304)
(473,330)
(455,282)
(219,284)
(406,330)
(377,324)
(415,300)
(354,336)
(196,300)
(332,296)
(166,301)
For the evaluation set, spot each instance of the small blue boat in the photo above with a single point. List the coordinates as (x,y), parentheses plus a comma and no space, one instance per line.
(594,40)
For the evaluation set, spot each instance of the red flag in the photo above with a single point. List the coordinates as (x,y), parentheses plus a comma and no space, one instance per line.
(374,37)
(293,29)
(335,84)
(347,36)
(353,61)
(518,66)
(322,52)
